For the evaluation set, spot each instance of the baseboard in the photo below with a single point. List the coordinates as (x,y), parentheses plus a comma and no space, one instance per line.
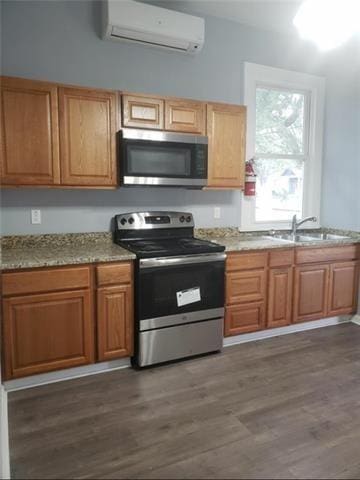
(68,374)
(4,436)
(275,332)
(356,319)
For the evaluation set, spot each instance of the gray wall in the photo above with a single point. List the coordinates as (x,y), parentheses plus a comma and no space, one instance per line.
(59,41)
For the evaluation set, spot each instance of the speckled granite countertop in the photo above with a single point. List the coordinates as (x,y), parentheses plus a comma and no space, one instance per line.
(233,240)
(32,251)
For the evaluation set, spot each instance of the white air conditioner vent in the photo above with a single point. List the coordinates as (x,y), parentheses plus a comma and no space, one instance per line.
(145,24)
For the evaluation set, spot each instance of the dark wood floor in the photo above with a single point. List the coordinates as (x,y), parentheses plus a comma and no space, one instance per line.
(287,407)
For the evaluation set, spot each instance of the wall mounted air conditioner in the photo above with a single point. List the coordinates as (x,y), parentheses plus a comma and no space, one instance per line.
(153,26)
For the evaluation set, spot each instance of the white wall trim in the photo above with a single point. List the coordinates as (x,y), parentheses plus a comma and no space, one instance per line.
(315,86)
(4,436)
(276,332)
(68,374)
(356,319)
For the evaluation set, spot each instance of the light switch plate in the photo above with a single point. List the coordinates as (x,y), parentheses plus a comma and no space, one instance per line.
(35,217)
(217,212)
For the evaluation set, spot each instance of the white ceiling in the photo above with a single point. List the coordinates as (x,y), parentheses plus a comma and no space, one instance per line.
(267,14)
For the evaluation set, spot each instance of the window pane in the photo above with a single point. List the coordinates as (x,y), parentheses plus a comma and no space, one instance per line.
(279,122)
(279,189)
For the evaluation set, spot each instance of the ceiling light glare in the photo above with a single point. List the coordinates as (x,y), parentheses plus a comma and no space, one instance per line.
(328,23)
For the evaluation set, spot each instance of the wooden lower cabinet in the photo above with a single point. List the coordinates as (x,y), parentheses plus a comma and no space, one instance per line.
(310,292)
(244,318)
(115,322)
(245,286)
(53,318)
(47,331)
(343,288)
(246,277)
(280,297)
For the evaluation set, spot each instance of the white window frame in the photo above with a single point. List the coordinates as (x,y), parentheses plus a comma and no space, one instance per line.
(314,88)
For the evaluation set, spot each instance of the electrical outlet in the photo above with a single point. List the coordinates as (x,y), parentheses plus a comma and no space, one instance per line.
(35,217)
(217,212)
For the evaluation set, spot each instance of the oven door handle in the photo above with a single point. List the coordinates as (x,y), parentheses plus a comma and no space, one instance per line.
(182,260)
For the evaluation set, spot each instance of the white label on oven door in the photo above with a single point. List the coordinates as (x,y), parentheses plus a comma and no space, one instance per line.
(184,297)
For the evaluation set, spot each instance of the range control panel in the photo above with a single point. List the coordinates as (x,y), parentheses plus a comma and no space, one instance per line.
(153,220)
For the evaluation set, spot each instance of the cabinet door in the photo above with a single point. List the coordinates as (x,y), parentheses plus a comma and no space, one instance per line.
(245,318)
(226,129)
(115,322)
(87,137)
(310,292)
(47,332)
(29,132)
(143,112)
(344,278)
(246,286)
(279,297)
(185,116)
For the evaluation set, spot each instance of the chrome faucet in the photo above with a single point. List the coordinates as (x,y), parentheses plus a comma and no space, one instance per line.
(296,224)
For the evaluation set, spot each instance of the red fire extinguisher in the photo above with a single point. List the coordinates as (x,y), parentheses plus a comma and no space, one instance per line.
(250,178)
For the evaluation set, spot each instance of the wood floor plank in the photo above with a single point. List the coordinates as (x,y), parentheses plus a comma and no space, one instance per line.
(285,407)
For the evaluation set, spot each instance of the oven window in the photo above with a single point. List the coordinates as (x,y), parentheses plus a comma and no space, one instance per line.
(157,288)
(158,160)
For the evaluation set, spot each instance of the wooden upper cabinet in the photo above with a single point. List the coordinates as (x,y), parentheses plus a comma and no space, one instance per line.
(343,290)
(185,116)
(88,124)
(311,292)
(142,112)
(226,129)
(29,132)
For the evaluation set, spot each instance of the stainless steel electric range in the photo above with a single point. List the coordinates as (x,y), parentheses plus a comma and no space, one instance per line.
(179,286)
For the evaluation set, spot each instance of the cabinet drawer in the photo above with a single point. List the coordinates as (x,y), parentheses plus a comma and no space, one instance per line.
(51,280)
(246,261)
(114,274)
(281,258)
(143,112)
(245,286)
(326,254)
(245,318)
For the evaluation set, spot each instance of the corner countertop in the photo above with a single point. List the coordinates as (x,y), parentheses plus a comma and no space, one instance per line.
(54,250)
(34,251)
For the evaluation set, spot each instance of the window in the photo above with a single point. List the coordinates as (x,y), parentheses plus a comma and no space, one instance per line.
(285,116)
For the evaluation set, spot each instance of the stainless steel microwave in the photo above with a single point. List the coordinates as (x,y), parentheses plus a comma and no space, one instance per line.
(150,157)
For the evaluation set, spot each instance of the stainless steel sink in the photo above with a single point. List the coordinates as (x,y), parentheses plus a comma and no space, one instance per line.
(327,236)
(289,237)
(311,237)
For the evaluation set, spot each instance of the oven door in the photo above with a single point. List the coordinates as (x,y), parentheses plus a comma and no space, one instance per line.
(175,290)
(163,158)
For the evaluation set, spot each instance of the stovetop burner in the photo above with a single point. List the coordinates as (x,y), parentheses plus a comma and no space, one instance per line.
(170,247)
(160,234)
